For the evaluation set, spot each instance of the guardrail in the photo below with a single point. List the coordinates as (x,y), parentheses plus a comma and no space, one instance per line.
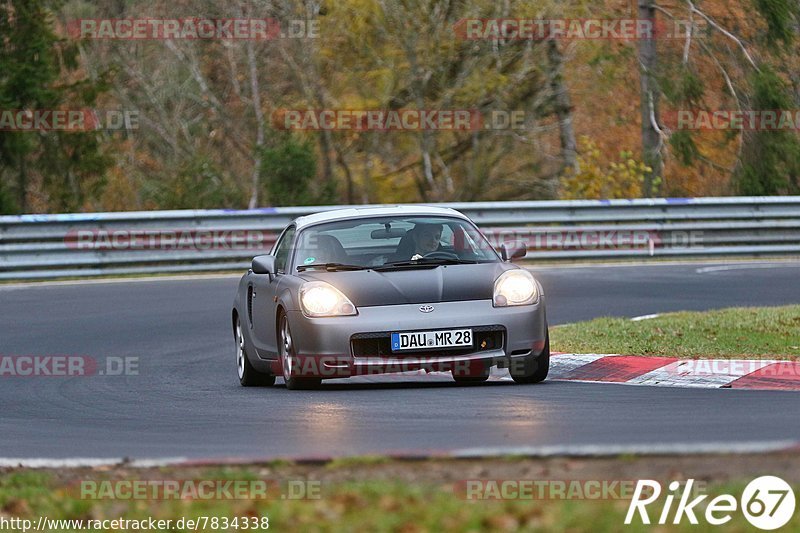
(70,245)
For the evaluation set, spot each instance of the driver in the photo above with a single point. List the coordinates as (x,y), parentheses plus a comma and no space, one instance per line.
(427,239)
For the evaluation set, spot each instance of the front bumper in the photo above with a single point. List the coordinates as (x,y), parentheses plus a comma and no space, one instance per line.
(325,347)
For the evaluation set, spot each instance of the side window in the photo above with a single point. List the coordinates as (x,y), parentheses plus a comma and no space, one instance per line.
(283,249)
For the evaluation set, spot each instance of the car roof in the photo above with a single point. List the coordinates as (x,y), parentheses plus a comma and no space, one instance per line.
(379,211)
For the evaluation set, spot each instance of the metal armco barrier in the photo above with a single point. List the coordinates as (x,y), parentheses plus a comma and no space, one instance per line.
(69,245)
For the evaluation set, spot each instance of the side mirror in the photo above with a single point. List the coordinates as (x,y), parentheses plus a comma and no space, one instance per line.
(264,264)
(514,251)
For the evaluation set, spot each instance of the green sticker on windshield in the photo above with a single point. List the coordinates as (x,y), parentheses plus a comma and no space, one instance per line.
(309,260)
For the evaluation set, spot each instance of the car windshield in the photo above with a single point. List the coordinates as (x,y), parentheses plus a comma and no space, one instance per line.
(411,241)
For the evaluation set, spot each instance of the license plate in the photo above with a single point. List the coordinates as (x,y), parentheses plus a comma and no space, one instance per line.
(418,340)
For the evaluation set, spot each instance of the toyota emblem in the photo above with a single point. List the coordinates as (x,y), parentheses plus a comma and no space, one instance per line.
(426,308)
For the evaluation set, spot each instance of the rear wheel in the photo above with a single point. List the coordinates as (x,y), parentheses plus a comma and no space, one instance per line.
(534,369)
(248,375)
(289,360)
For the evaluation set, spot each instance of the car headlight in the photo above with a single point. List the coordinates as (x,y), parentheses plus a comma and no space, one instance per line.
(515,287)
(318,299)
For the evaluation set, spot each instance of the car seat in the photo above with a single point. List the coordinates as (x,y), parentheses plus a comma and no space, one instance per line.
(330,250)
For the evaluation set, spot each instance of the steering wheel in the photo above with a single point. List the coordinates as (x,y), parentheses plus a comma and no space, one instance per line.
(438,254)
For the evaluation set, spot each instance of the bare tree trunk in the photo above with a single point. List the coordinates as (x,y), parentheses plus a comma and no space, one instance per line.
(651,136)
(794,75)
(326,138)
(255,89)
(22,184)
(563,109)
(348,176)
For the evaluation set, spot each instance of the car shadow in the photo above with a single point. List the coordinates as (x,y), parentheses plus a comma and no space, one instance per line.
(409,384)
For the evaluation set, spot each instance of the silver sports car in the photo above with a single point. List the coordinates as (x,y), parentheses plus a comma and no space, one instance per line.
(390,289)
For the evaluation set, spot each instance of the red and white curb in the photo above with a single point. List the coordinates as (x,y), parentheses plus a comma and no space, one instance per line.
(761,374)
(756,374)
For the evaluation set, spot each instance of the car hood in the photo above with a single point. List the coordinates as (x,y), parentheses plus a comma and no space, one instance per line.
(449,283)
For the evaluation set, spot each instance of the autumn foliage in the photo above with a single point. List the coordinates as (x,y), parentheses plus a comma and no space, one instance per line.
(209,111)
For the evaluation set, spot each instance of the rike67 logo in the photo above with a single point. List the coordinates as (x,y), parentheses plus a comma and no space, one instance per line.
(767,502)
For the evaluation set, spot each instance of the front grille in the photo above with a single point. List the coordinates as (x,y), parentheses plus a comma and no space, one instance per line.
(380,344)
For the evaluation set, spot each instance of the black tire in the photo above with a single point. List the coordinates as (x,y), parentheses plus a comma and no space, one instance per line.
(248,375)
(287,353)
(534,369)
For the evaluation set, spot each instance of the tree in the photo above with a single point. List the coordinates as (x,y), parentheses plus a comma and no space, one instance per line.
(596,179)
(198,184)
(563,109)
(34,64)
(765,162)
(649,106)
(205,106)
(770,162)
(288,168)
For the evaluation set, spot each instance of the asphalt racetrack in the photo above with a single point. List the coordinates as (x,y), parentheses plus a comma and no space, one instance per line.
(186,400)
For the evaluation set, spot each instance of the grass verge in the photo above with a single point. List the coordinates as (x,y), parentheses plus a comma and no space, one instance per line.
(395,495)
(736,333)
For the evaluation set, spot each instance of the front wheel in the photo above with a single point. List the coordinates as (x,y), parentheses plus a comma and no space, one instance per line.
(533,369)
(288,359)
(248,375)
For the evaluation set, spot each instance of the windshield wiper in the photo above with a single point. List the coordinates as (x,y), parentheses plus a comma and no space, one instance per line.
(330,267)
(425,263)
